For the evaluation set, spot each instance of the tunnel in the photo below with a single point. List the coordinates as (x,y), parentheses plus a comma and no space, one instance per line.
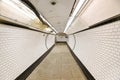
(59,39)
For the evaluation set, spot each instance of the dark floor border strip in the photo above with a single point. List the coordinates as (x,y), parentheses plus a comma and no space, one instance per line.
(84,69)
(104,22)
(29,70)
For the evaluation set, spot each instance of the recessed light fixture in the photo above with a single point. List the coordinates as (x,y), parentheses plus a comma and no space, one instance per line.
(48,23)
(53,3)
(71,18)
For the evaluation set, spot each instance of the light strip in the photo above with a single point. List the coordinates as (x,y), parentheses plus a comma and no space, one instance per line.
(48,23)
(79,5)
(21,7)
(25,10)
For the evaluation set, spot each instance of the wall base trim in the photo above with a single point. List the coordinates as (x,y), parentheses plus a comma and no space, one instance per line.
(84,69)
(29,70)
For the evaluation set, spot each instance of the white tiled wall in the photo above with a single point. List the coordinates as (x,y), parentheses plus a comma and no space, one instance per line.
(71,41)
(50,40)
(19,48)
(99,51)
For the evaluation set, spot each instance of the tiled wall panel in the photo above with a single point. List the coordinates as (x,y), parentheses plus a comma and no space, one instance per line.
(99,51)
(71,41)
(50,39)
(19,48)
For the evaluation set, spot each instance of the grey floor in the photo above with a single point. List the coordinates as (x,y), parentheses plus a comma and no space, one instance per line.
(58,65)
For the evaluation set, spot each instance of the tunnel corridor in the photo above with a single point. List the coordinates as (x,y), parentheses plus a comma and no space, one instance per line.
(62,67)
(59,39)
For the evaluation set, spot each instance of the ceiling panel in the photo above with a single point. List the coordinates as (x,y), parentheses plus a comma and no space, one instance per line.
(58,14)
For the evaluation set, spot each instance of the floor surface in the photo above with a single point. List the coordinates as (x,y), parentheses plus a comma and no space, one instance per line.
(58,65)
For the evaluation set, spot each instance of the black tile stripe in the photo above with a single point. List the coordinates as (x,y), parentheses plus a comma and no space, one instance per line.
(104,22)
(19,26)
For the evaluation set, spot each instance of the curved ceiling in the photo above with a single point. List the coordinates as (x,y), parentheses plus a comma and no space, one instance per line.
(56,12)
(95,13)
(23,16)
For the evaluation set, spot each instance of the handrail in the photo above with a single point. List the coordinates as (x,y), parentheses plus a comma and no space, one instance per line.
(104,22)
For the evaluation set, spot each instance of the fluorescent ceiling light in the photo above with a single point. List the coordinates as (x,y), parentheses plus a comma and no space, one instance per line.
(18,5)
(79,5)
(48,29)
(48,23)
